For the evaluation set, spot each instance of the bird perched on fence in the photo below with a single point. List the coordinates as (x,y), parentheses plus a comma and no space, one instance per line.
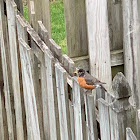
(87,81)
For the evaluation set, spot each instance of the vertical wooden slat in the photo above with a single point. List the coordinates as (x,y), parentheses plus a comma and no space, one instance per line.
(29,93)
(5,76)
(104,119)
(49,64)
(132,47)
(63,102)
(1,92)
(77,111)
(11,13)
(71,119)
(46,15)
(36,79)
(90,118)
(45,102)
(43,33)
(98,40)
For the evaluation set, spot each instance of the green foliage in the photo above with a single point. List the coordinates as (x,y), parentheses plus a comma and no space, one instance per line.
(58,24)
(25,13)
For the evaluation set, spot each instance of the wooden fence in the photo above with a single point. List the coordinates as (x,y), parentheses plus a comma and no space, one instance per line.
(41,99)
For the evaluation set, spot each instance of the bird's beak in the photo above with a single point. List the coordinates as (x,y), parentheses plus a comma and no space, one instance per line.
(76,72)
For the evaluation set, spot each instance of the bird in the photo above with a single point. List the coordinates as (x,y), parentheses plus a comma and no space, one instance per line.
(87,81)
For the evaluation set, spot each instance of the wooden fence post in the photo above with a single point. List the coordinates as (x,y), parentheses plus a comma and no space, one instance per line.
(39,11)
(29,93)
(98,40)
(91,124)
(131,22)
(122,114)
(130,135)
(11,15)
(75,16)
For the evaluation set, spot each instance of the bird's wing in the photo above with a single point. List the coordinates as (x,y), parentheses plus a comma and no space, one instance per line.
(90,80)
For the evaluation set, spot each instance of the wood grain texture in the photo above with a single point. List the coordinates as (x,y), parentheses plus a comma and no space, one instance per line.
(39,11)
(132,47)
(98,40)
(77,111)
(63,102)
(91,124)
(122,114)
(115,20)
(5,74)
(1,92)
(104,119)
(75,18)
(68,64)
(22,27)
(43,33)
(33,131)
(35,70)
(11,13)
(52,108)
(44,91)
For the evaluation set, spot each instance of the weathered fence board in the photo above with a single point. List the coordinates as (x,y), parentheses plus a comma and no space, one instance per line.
(138,123)
(77,111)
(122,114)
(91,124)
(115,20)
(75,18)
(130,135)
(11,13)
(68,64)
(39,11)
(44,88)
(49,64)
(63,102)
(43,33)
(1,105)
(5,75)
(104,119)
(37,87)
(29,93)
(22,27)
(132,47)
(98,40)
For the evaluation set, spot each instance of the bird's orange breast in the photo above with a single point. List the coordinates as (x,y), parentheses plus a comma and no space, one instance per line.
(83,84)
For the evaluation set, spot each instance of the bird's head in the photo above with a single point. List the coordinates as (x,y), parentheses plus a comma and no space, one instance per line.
(80,72)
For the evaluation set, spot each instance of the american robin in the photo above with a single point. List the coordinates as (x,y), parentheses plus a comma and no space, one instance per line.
(87,81)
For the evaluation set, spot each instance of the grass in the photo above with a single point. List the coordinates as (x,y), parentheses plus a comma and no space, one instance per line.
(57,23)
(25,13)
